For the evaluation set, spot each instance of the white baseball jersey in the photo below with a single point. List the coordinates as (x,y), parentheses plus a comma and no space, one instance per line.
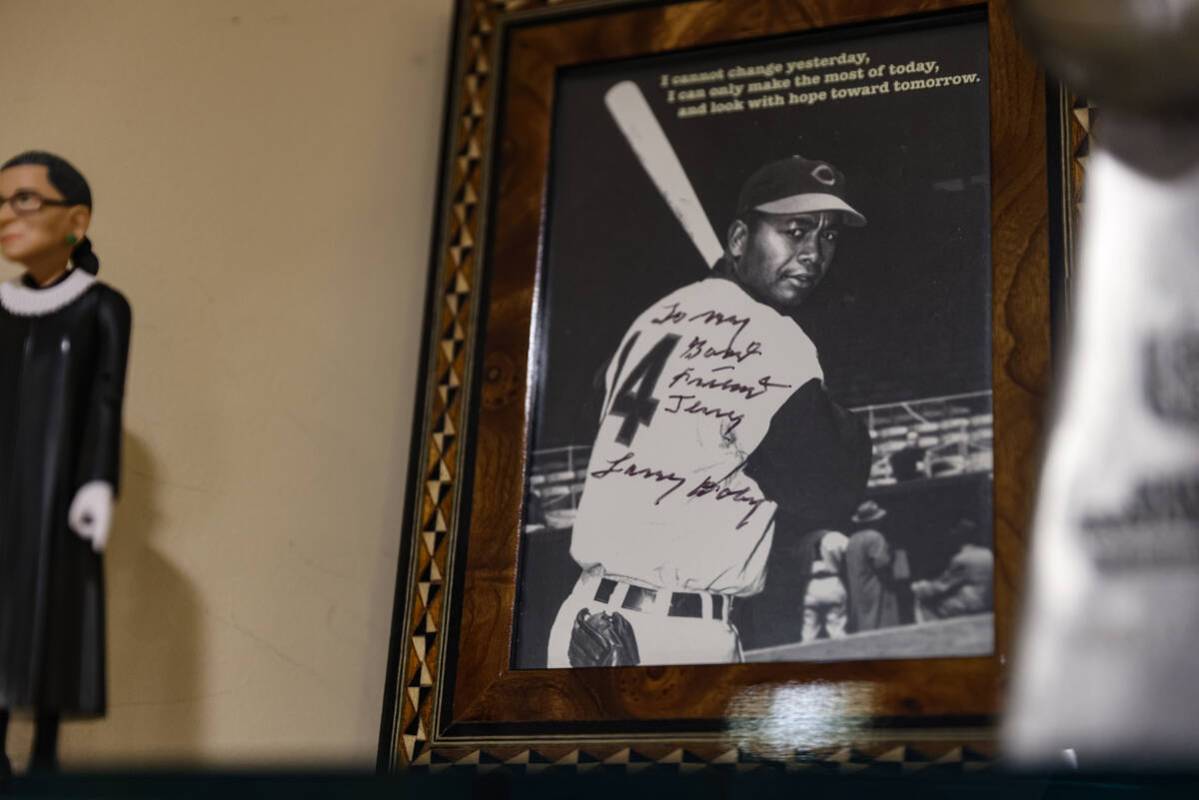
(689,395)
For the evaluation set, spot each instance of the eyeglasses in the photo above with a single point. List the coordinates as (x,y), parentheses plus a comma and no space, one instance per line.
(25,202)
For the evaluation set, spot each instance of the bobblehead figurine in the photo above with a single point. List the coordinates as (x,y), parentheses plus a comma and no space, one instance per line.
(64,339)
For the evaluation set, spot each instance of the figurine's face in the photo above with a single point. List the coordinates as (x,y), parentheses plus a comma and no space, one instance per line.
(33,237)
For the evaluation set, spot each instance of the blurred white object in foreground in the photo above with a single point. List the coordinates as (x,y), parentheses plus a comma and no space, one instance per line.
(1108,663)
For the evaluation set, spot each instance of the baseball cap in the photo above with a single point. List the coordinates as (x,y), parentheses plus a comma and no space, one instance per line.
(798,185)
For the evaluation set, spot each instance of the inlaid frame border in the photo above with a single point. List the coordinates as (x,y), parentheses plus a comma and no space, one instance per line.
(458,378)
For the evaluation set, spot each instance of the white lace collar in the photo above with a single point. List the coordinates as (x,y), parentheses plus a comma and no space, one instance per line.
(19,299)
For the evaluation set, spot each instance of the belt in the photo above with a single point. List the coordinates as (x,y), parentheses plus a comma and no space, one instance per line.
(682,604)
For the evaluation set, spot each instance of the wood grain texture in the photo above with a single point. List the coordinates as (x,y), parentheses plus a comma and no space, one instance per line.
(485,690)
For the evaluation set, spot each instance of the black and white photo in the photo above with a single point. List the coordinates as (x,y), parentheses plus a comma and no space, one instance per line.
(760,411)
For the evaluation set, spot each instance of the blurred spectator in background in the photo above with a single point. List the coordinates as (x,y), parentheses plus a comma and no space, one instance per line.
(874,572)
(908,464)
(965,585)
(826,601)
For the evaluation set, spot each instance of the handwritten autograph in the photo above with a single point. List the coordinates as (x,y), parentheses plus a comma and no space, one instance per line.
(707,487)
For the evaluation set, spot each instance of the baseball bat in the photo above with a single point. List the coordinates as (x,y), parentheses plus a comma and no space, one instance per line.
(636,121)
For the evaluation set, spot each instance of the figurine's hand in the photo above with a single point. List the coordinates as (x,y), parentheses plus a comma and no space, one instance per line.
(91,513)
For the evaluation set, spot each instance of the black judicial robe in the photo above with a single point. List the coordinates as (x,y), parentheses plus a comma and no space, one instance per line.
(62,375)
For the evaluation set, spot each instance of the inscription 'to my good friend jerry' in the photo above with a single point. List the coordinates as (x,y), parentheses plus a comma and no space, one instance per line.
(699,347)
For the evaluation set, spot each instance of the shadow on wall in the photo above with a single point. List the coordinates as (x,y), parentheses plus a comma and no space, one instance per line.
(155,664)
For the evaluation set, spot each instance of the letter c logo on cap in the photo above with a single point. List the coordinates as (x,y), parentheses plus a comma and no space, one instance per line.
(824,173)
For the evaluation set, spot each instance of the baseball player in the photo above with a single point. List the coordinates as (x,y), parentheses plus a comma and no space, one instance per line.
(715,421)
(826,602)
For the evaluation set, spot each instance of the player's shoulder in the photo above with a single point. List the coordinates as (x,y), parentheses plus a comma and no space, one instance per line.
(728,295)
(723,293)
(699,297)
(780,336)
(685,294)
(668,309)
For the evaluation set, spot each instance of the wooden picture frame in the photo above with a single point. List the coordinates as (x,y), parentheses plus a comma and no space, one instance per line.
(452,696)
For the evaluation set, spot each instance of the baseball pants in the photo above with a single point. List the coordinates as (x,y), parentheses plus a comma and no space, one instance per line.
(661,639)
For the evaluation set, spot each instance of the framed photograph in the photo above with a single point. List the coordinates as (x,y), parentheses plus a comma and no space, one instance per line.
(738,338)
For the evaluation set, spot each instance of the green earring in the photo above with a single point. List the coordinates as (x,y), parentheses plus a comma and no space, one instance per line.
(71,240)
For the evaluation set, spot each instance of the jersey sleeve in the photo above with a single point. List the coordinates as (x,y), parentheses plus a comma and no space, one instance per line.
(814,460)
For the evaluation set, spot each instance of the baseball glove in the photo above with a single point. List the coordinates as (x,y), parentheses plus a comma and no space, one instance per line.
(602,640)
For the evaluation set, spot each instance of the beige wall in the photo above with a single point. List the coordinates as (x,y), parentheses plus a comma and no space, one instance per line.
(264,173)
